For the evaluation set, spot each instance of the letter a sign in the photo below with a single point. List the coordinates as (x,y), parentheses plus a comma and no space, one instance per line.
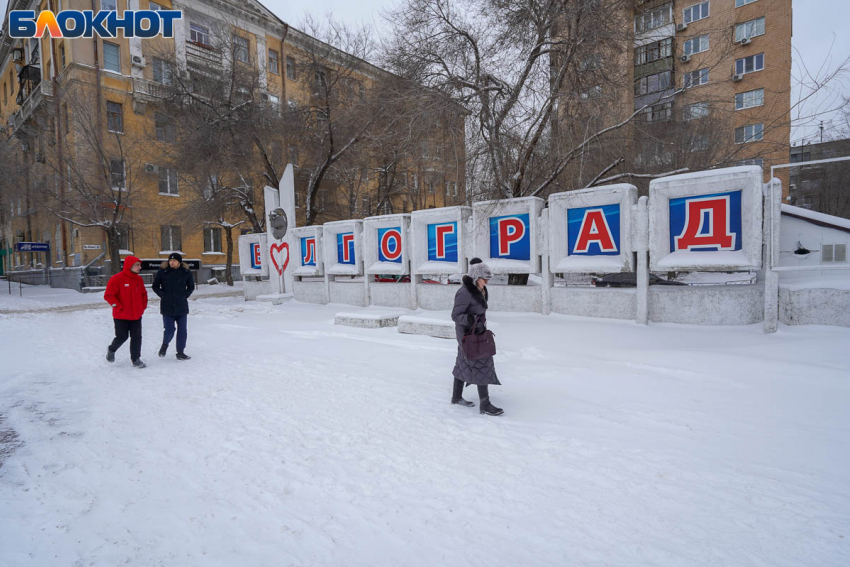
(706,223)
(594,231)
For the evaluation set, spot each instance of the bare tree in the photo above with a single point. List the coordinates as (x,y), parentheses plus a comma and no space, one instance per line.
(101,170)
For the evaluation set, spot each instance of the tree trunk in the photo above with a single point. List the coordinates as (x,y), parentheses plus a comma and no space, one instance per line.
(114,250)
(517,279)
(228,231)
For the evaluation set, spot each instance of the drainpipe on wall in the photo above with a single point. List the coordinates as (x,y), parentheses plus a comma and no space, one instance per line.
(59,154)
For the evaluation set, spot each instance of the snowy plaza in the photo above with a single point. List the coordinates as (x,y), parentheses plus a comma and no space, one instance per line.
(287,440)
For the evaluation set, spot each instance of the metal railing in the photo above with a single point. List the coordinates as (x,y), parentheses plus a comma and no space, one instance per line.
(203,55)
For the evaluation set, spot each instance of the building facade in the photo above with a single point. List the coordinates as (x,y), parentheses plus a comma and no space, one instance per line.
(81,114)
(821,187)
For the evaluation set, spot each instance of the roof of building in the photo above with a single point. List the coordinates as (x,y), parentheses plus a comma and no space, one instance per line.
(819,219)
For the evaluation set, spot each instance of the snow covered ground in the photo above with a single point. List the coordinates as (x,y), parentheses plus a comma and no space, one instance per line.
(42,297)
(287,440)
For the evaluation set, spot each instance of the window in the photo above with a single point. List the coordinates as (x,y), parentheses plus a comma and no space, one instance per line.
(156,7)
(749,99)
(161,71)
(65,117)
(240,48)
(115,117)
(164,128)
(749,133)
(292,153)
(739,3)
(171,238)
(694,111)
(415,182)
(696,45)
(758,161)
(447,189)
(695,78)
(321,78)
(753,28)
(653,83)
(116,173)
(111,57)
(652,19)
(292,104)
(274,62)
(698,143)
(199,34)
(430,186)
(593,92)
(108,5)
(124,237)
(749,64)
(454,188)
(658,113)
(830,253)
(212,241)
(168,181)
(654,51)
(62,55)
(797,158)
(695,13)
(290,68)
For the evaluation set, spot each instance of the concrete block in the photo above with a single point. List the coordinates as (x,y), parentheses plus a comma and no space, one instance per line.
(413,325)
(368,320)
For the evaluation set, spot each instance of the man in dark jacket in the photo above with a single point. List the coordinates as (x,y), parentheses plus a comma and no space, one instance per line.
(471,306)
(174,284)
(127,295)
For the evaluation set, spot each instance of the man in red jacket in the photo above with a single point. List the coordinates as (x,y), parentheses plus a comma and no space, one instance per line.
(128,297)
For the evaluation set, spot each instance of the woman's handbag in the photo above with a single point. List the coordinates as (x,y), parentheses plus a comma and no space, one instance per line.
(478,346)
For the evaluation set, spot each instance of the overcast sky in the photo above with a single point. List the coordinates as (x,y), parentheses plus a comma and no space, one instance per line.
(820,41)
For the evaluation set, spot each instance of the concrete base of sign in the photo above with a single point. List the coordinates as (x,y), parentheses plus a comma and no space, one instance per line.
(349,293)
(254,289)
(439,328)
(369,320)
(391,295)
(616,303)
(310,291)
(276,298)
(707,305)
(814,306)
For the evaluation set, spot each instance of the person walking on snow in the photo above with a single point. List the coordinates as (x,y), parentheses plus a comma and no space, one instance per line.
(174,284)
(471,301)
(127,295)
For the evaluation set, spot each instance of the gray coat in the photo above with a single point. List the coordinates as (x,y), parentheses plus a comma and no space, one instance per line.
(471,301)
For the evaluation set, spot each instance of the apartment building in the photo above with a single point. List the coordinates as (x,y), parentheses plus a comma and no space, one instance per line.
(127,82)
(714,77)
(821,187)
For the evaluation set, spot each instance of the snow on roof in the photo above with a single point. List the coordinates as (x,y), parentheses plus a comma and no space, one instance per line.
(837,222)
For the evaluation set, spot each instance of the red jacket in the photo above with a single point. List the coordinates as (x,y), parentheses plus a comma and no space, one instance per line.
(126,293)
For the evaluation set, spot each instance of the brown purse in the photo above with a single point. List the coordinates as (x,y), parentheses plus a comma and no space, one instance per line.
(478,346)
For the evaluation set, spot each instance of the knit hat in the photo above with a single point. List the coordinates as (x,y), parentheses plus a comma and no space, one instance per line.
(478,269)
(175,256)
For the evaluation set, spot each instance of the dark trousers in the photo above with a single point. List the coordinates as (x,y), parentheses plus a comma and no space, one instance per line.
(457,390)
(168,322)
(123,328)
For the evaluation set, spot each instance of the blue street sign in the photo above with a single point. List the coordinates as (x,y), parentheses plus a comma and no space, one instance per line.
(32,247)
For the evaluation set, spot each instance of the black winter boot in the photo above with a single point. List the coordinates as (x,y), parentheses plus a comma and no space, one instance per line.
(490,409)
(183,356)
(457,397)
(110,356)
(139,364)
(162,351)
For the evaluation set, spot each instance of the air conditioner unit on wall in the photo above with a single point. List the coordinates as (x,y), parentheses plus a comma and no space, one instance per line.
(150,168)
(746,41)
(737,77)
(138,61)
(686,58)
(681,27)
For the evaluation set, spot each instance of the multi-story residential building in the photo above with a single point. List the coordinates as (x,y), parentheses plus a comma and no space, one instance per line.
(118,115)
(715,76)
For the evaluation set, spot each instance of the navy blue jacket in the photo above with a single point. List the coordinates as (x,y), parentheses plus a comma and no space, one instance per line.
(174,286)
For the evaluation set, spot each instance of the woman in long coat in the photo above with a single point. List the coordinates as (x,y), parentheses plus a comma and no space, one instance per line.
(471,301)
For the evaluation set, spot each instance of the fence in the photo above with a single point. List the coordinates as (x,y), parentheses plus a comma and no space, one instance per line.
(721,221)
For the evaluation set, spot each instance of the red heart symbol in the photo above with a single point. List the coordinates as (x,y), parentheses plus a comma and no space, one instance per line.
(278,248)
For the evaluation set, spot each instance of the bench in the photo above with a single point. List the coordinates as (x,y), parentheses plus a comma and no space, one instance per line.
(368,320)
(413,325)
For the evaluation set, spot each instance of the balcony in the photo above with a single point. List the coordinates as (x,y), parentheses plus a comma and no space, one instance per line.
(203,56)
(31,102)
(150,91)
